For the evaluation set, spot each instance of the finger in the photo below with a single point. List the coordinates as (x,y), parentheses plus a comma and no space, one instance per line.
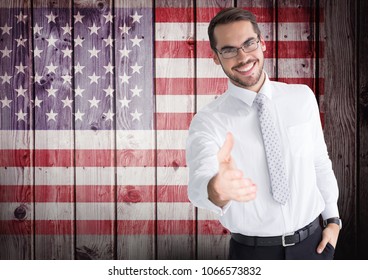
(322,245)
(224,154)
(232,174)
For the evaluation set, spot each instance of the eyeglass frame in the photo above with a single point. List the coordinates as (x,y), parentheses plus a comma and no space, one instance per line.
(242,48)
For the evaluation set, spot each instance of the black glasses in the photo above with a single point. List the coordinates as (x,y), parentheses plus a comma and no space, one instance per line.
(247,47)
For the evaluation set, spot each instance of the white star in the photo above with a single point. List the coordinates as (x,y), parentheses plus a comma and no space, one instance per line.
(109,115)
(109,91)
(136,91)
(136,68)
(21,41)
(21,115)
(20,68)
(125,102)
(6,52)
(78,68)
(67,29)
(51,18)
(38,102)
(21,17)
(37,78)
(109,41)
(136,17)
(124,29)
(51,68)
(94,102)
(37,29)
(51,91)
(6,102)
(136,41)
(6,78)
(125,78)
(94,52)
(21,91)
(67,102)
(78,115)
(6,29)
(37,52)
(67,52)
(78,41)
(79,91)
(78,18)
(93,29)
(51,115)
(125,52)
(109,17)
(136,115)
(94,78)
(51,41)
(67,78)
(109,68)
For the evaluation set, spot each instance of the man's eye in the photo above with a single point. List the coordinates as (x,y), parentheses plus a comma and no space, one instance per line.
(232,50)
(248,44)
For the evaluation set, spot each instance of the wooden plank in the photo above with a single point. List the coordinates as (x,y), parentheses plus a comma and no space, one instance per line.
(135,115)
(339,107)
(16,137)
(362,193)
(94,89)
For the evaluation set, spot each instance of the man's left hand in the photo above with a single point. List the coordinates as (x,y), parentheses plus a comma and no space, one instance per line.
(329,235)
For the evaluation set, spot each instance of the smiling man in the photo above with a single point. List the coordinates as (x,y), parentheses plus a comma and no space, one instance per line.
(257,155)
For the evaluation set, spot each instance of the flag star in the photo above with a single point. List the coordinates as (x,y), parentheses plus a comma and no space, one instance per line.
(37,29)
(5,29)
(124,29)
(109,115)
(51,68)
(5,52)
(21,17)
(136,17)
(37,78)
(125,52)
(109,41)
(125,102)
(20,68)
(94,102)
(67,102)
(51,115)
(109,68)
(79,115)
(67,52)
(21,91)
(79,91)
(37,52)
(136,68)
(38,102)
(6,78)
(136,41)
(109,17)
(51,91)
(136,115)
(94,78)
(5,102)
(51,41)
(78,41)
(67,78)
(78,68)
(78,17)
(94,52)
(67,29)
(109,91)
(51,18)
(93,29)
(21,41)
(21,115)
(125,78)
(136,91)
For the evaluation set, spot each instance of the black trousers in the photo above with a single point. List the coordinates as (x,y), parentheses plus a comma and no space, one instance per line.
(305,250)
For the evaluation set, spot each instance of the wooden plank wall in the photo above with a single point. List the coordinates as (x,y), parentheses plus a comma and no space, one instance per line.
(115,213)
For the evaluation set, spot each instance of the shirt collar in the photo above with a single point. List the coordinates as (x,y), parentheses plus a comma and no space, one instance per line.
(248,96)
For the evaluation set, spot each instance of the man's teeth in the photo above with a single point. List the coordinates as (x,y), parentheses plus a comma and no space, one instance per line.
(246,68)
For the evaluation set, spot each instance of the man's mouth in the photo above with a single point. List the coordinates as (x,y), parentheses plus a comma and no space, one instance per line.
(246,69)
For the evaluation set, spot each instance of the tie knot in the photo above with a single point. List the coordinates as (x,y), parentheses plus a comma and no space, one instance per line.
(260,99)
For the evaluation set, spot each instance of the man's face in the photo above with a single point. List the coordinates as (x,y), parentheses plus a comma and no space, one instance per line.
(246,69)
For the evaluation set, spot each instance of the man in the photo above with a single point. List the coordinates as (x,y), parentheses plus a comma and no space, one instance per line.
(257,154)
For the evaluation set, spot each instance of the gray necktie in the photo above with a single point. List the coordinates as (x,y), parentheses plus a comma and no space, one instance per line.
(275,161)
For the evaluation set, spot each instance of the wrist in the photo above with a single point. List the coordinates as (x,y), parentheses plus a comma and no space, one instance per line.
(333,221)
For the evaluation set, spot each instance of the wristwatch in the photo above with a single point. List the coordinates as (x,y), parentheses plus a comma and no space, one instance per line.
(334,220)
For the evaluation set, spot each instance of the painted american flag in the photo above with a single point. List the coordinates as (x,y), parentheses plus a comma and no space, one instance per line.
(95,101)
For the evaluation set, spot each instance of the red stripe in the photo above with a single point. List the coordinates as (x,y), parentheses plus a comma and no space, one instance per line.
(173,121)
(171,158)
(16,158)
(16,227)
(211,228)
(18,193)
(311,82)
(178,86)
(176,227)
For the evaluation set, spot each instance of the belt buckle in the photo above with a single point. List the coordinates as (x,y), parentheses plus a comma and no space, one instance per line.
(283,239)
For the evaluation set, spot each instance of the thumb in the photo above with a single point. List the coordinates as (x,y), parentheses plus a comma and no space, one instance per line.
(224,154)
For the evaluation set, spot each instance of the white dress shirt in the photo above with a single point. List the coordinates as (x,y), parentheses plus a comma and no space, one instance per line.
(311,179)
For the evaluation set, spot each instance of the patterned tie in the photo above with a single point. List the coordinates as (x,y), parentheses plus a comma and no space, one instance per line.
(271,140)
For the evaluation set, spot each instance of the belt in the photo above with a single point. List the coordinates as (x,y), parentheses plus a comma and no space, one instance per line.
(287,239)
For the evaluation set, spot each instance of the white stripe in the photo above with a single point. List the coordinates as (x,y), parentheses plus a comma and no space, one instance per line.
(135,139)
(175,67)
(175,103)
(175,211)
(203,100)
(95,176)
(54,176)
(54,139)
(136,176)
(171,139)
(16,176)
(172,176)
(136,211)
(168,31)
(299,31)
(99,139)
(95,211)
(16,139)
(54,211)
(204,215)
(7,210)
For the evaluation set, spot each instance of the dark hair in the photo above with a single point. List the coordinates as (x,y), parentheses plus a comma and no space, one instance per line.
(229,15)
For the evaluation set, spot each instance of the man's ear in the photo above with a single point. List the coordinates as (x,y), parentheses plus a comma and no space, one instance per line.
(263,43)
(215,57)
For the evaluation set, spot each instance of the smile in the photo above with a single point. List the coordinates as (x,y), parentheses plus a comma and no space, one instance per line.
(246,69)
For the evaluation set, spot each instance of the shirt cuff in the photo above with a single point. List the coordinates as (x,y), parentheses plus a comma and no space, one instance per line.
(330,211)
